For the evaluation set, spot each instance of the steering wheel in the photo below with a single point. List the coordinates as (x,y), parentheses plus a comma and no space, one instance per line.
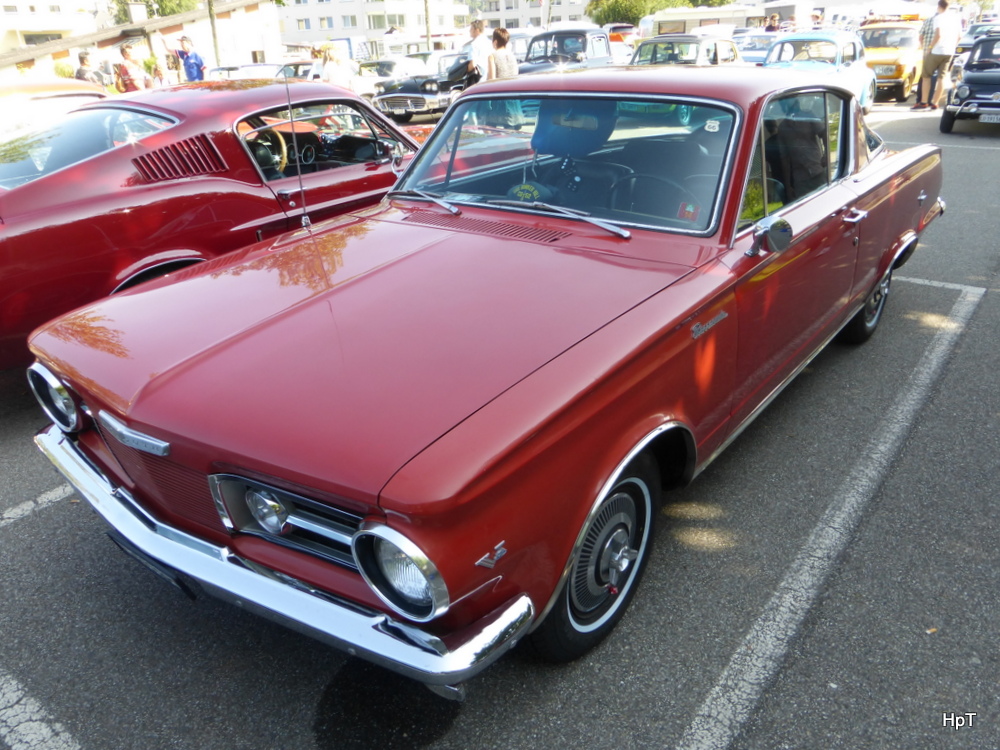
(559,57)
(275,143)
(683,192)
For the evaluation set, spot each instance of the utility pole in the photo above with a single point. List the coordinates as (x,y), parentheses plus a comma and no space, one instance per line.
(215,36)
(427,22)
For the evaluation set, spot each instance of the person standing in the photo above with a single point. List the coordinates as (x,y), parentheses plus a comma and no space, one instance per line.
(194,66)
(336,70)
(501,62)
(86,73)
(773,23)
(129,74)
(947,30)
(479,49)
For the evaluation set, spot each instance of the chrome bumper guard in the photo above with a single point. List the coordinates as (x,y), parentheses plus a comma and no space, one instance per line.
(360,631)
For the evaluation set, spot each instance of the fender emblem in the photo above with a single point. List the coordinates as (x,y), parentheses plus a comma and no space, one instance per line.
(489,560)
(700,329)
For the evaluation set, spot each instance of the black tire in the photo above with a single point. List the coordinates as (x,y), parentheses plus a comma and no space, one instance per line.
(682,114)
(403,118)
(947,121)
(591,601)
(903,91)
(862,326)
(872,91)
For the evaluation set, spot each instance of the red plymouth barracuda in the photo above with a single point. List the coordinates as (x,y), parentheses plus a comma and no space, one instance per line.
(430,429)
(128,188)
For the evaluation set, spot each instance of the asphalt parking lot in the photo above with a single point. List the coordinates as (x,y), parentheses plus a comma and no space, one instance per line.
(830,581)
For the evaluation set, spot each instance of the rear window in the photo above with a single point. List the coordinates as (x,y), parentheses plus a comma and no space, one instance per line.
(30,153)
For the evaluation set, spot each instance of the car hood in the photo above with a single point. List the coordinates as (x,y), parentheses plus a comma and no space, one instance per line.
(988,77)
(884,55)
(332,360)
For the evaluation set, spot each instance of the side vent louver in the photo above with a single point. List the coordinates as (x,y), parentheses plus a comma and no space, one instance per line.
(188,158)
(483,226)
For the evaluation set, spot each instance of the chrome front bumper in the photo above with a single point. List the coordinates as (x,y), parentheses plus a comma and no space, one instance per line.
(361,632)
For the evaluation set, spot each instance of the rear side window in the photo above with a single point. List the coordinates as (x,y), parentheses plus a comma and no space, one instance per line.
(73,138)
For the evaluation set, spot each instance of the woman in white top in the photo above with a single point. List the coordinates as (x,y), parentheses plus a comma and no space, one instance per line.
(502,62)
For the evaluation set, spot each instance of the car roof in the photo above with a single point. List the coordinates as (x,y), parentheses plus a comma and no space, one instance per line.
(220,99)
(678,37)
(829,35)
(739,85)
(55,87)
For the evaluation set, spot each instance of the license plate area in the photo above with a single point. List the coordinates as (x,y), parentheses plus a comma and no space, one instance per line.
(989,118)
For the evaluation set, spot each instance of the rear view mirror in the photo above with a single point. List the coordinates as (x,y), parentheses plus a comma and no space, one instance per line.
(772,233)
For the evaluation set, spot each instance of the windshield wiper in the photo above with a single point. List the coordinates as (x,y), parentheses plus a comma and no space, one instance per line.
(575,213)
(435,197)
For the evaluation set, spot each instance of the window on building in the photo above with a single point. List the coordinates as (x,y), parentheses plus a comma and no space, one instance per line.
(349,22)
(396,19)
(303,24)
(511,5)
(55,9)
(535,20)
(325,22)
(376,22)
(301,2)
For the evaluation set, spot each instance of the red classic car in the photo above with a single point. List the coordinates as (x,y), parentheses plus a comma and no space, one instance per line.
(429,429)
(129,188)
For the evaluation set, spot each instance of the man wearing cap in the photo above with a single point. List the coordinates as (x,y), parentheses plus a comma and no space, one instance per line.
(194,66)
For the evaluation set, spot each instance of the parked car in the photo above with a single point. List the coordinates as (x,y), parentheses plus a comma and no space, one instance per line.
(30,102)
(976,95)
(753,45)
(136,186)
(827,51)
(973,33)
(436,427)
(686,49)
(894,52)
(373,72)
(564,49)
(306,70)
(424,94)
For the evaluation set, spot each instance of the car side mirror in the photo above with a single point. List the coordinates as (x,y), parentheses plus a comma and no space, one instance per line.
(384,151)
(397,154)
(772,231)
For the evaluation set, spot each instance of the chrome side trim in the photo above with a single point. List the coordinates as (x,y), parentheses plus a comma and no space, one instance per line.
(133,438)
(368,634)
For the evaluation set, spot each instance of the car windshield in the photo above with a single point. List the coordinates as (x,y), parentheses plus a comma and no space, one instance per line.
(803,50)
(35,152)
(619,161)
(985,54)
(665,53)
(558,46)
(902,38)
(752,42)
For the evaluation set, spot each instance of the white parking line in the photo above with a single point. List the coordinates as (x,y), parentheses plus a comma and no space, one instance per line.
(24,724)
(26,508)
(759,657)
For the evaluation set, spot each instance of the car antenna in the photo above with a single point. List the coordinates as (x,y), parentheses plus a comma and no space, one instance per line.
(306,221)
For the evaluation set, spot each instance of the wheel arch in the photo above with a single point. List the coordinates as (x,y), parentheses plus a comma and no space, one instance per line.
(673,448)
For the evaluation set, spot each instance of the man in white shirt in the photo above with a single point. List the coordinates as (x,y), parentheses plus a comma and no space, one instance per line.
(480,48)
(947,32)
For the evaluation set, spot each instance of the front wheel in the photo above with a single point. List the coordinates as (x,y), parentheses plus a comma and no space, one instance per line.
(609,560)
(947,121)
(903,90)
(403,118)
(861,327)
(869,100)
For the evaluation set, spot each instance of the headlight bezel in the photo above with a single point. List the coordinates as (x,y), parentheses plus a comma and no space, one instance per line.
(963,91)
(363,546)
(59,402)
(430,87)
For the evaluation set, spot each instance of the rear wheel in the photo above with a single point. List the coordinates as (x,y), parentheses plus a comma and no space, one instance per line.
(863,324)
(606,568)
(403,118)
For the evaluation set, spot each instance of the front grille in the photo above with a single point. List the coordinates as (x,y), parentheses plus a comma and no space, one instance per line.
(402,102)
(188,158)
(167,487)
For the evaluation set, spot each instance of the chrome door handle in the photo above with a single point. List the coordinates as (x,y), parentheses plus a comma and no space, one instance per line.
(854,216)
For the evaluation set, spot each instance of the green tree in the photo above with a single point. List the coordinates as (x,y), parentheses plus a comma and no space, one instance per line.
(631,11)
(155,8)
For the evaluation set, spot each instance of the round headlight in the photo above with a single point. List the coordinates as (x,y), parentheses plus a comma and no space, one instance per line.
(400,573)
(267,509)
(962,92)
(55,398)
(429,87)
(379,88)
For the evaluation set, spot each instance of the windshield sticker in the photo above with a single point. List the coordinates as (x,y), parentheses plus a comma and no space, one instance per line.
(712,126)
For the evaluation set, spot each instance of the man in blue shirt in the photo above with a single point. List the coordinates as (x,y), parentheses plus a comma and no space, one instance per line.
(194,66)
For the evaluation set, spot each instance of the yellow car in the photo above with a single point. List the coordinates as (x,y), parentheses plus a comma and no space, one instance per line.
(894,52)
